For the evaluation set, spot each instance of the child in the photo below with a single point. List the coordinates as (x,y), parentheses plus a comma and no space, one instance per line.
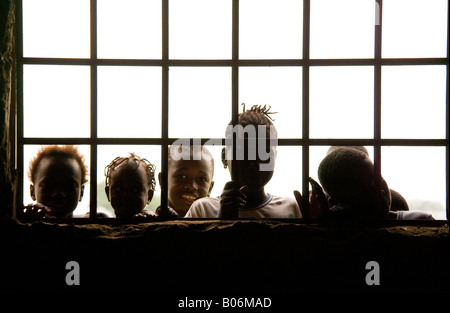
(130,184)
(348,180)
(57,175)
(244,196)
(190,176)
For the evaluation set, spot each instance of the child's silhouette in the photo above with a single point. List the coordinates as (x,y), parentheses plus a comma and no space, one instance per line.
(130,184)
(57,175)
(350,191)
(245,196)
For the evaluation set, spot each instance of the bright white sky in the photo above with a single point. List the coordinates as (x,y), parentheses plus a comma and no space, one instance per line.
(341,98)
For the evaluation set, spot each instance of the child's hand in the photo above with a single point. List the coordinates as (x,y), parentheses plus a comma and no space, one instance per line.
(318,204)
(36,211)
(231,200)
(167,214)
(146,214)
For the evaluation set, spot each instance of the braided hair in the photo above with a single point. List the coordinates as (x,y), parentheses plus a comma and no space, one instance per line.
(149,168)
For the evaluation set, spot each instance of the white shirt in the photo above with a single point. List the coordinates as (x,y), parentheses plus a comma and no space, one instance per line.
(413,215)
(272,207)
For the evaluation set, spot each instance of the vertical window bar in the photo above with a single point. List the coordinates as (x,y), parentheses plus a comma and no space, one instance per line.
(377,91)
(447,121)
(17,211)
(235,80)
(305,104)
(165,104)
(93,146)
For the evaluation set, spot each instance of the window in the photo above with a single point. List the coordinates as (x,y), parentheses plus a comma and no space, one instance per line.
(115,78)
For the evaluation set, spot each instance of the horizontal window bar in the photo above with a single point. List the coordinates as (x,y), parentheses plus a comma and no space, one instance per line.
(241,62)
(210,141)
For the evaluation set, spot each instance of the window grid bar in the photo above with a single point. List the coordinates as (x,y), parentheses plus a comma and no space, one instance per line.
(94,98)
(281,141)
(165,104)
(447,126)
(239,62)
(377,92)
(234,81)
(305,104)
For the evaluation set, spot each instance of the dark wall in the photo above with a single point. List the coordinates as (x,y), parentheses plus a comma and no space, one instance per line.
(7,175)
(221,256)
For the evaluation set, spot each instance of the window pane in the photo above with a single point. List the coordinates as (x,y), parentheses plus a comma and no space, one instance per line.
(199,102)
(414,101)
(56,28)
(287,175)
(131,31)
(270,29)
(341,102)
(221,175)
(414,29)
(56,101)
(342,29)
(29,152)
(129,101)
(107,153)
(200,29)
(418,174)
(278,87)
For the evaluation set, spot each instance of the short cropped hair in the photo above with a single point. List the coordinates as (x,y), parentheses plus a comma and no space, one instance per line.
(360,148)
(138,161)
(344,170)
(65,151)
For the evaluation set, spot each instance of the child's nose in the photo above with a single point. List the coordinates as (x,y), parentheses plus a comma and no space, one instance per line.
(191,185)
(58,193)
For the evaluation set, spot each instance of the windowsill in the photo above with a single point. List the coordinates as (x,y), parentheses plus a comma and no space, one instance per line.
(239,255)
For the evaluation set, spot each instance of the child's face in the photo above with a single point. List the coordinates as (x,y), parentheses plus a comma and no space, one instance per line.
(129,191)
(188,180)
(58,185)
(249,173)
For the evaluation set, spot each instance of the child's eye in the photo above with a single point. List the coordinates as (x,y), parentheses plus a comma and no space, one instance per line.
(181,176)
(202,179)
(137,189)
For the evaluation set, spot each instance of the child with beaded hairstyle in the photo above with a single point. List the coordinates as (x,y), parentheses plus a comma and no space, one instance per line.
(57,175)
(244,196)
(130,184)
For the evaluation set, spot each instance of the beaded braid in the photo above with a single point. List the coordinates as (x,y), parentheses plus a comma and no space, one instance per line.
(149,168)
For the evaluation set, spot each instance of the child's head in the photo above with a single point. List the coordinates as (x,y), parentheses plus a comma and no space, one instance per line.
(58,175)
(255,148)
(190,176)
(130,184)
(347,176)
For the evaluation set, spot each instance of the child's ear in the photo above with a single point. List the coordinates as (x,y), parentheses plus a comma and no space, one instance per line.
(210,188)
(159,178)
(32,194)
(107,193)
(150,195)
(224,159)
(81,193)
